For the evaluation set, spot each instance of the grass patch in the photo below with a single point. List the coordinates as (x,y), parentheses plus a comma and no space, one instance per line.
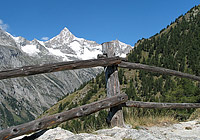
(150,121)
(148,118)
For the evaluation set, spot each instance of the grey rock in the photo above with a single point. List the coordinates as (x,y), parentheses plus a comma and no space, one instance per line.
(6,39)
(127,133)
(121,49)
(173,132)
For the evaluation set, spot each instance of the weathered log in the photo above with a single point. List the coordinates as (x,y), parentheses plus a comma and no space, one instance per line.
(61,66)
(139,104)
(105,56)
(157,70)
(62,117)
(115,115)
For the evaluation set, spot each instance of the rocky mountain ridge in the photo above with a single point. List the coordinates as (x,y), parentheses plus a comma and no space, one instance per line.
(22,99)
(68,47)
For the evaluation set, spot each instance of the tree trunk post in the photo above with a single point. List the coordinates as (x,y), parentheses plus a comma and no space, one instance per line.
(115,115)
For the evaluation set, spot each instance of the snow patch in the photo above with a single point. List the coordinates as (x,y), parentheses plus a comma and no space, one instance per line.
(57,52)
(17,39)
(88,54)
(30,49)
(75,45)
(79,39)
(41,42)
(123,55)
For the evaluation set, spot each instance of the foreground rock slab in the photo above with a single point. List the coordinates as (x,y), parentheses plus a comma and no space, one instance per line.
(181,131)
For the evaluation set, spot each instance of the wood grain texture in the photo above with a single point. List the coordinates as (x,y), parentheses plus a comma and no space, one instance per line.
(61,66)
(115,115)
(62,117)
(139,104)
(157,70)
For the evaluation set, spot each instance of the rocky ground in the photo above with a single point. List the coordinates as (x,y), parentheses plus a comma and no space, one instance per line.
(180,131)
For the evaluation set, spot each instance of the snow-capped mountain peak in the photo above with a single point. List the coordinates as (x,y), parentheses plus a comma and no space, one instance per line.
(64,37)
(68,47)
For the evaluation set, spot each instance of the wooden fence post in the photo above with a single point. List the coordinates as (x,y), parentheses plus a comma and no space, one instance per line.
(115,116)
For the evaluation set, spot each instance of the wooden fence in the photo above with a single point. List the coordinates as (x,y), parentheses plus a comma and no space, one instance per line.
(115,101)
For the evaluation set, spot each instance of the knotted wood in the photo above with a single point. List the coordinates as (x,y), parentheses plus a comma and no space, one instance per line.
(62,117)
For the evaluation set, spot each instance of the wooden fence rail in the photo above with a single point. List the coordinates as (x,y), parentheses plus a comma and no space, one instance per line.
(62,117)
(61,66)
(71,65)
(139,104)
(157,70)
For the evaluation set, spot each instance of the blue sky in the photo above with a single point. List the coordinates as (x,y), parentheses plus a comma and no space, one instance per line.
(98,20)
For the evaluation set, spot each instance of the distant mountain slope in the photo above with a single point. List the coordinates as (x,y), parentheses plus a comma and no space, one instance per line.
(176,47)
(22,99)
